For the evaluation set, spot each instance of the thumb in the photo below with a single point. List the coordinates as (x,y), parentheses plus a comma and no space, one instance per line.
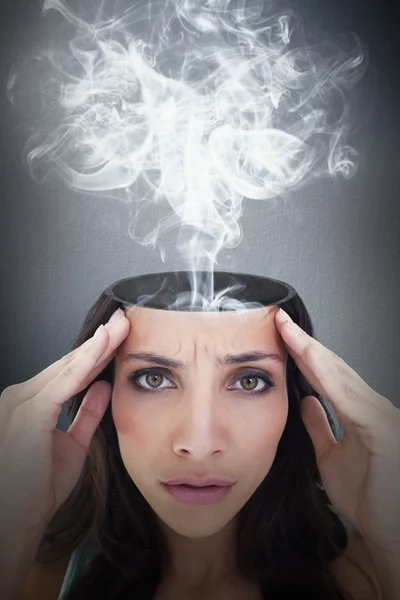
(317,425)
(90,413)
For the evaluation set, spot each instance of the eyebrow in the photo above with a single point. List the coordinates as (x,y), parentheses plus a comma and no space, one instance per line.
(228,359)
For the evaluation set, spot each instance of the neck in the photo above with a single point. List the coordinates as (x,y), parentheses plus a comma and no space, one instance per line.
(200,561)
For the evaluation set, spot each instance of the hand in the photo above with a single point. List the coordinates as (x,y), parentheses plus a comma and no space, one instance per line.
(39,464)
(361,473)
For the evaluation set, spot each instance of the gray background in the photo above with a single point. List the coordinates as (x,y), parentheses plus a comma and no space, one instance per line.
(337,242)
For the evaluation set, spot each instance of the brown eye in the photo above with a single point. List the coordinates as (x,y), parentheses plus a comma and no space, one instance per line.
(249,383)
(148,380)
(254,383)
(154,379)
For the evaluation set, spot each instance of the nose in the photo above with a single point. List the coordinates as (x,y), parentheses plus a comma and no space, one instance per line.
(200,429)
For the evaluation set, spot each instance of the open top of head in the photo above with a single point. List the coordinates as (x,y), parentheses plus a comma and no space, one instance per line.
(200,291)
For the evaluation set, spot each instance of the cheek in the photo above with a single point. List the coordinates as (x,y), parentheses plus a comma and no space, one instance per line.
(125,421)
(269,427)
(279,418)
(135,430)
(266,438)
(133,440)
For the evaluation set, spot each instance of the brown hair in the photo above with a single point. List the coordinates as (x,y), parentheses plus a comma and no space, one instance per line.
(287,533)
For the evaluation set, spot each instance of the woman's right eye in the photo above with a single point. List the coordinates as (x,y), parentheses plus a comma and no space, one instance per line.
(148,380)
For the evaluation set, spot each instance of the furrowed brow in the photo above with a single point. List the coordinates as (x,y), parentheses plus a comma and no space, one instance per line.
(228,359)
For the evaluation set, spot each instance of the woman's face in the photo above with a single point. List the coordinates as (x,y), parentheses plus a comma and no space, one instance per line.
(200,419)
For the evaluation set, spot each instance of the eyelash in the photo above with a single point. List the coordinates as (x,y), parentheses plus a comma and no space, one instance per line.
(134,377)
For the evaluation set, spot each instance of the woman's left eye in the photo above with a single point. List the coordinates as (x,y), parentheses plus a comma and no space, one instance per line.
(250,383)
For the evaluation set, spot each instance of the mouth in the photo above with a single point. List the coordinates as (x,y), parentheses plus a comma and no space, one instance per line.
(191,494)
(189,485)
(197,482)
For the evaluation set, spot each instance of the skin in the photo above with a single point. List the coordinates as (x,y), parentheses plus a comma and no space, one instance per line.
(360,473)
(201,426)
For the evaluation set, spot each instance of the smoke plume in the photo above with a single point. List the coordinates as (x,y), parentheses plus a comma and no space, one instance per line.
(183,109)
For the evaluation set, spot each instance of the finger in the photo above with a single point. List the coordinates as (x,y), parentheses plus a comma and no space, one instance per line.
(39,380)
(71,380)
(317,425)
(107,358)
(330,376)
(33,386)
(90,413)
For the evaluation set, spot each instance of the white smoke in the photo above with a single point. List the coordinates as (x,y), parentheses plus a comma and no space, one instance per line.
(184,108)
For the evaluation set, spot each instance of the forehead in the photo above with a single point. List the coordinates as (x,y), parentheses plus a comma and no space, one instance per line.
(173,330)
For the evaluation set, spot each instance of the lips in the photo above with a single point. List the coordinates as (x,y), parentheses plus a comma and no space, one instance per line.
(195,482)
(198,494)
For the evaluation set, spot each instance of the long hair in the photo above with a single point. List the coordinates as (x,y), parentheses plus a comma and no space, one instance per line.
(287,533)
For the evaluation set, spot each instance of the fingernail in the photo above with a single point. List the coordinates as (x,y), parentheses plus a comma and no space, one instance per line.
(96,333)
(283,316)
(116,316)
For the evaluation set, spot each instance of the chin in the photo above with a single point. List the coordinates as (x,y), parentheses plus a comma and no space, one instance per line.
(199,524)
(189,520)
